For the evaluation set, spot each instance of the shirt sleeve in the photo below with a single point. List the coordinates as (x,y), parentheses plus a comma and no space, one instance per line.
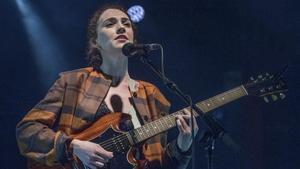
(35,135)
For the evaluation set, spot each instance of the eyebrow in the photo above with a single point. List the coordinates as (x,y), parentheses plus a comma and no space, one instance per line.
(123,19)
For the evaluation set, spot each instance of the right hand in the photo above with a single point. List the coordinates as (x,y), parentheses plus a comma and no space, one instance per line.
(92,155)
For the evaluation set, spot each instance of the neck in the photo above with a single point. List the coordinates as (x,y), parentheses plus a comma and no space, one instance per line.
(116,66)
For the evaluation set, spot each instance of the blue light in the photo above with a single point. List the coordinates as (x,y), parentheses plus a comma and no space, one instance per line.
(48,55)
(136,13)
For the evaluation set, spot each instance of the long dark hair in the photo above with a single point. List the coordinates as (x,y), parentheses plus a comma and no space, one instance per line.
(93,53)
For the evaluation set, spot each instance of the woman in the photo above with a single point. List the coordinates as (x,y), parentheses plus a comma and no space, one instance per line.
(80,97)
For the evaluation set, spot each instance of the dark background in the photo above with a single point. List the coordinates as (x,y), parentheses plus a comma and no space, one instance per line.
(210,46)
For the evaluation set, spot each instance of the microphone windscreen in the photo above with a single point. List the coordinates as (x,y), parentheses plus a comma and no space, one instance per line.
(127,49)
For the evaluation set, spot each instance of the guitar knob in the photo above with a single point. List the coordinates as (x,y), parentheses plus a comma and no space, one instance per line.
(266,99)
(282,96)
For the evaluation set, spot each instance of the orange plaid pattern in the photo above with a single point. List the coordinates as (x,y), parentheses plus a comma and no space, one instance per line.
(70,106)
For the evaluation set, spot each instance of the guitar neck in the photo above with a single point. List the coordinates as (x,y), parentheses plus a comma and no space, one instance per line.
(222,99)
(167,122)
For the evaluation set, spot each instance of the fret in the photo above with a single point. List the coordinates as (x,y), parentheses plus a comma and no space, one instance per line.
(221,99)
(155,127)
(146,129)
(170,119)
(136,135)
(202,106)
(142,133)
(163,124)
(152,131)
(166,123)
(162,127)
(159,125)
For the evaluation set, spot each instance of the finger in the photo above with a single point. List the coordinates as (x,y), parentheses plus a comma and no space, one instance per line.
(187,111)
(103,153)
(90,166)
(97,164)
(183,122)
(179,126)
(186,117)
(98,158)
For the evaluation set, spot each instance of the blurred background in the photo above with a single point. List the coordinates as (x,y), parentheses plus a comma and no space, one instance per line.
(210,46)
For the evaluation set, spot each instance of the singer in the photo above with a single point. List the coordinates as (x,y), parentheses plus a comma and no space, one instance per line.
(80,99)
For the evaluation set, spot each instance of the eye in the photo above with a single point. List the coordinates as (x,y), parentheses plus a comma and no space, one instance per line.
(109,24)
(127,24)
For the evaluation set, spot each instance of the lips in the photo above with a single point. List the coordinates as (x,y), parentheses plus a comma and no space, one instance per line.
(121,37)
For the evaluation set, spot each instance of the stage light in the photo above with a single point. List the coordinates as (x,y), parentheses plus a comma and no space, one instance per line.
(48,56)
(136,13)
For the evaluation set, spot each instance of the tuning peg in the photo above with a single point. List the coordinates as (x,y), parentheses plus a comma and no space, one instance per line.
(259,76)
(266,99)
(252,78)
(274,97)
(282,96)
(262,90)
(267,74)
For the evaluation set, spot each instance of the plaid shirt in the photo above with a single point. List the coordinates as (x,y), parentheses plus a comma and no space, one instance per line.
(70,106)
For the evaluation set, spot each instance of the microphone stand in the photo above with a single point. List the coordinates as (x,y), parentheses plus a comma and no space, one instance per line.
(216,130)
(208,141)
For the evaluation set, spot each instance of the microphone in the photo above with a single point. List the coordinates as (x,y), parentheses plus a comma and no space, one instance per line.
(132,50)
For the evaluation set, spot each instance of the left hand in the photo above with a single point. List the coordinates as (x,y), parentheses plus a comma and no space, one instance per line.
(184,139)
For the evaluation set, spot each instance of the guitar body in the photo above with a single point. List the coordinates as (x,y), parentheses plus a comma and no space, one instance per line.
(102,130)
(108,130)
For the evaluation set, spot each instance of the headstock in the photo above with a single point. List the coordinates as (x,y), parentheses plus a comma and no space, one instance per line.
(270,87)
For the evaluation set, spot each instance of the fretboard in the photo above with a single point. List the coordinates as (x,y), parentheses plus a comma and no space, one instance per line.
(222,99)
(167,122)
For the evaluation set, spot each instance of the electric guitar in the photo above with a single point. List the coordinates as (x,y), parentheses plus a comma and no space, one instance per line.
(106,131)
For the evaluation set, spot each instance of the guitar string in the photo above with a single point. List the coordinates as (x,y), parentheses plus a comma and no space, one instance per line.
(111,145)
(108,143)
(148,125)
(216,99)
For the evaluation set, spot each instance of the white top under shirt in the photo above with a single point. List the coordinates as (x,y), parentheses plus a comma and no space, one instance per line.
(133,87)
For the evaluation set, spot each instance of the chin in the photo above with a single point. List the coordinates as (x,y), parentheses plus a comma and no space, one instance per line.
(120,45)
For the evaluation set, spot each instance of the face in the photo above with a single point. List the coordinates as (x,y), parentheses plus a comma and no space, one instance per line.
(114,30)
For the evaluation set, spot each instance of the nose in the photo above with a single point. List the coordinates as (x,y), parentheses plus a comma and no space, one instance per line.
(121,28)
